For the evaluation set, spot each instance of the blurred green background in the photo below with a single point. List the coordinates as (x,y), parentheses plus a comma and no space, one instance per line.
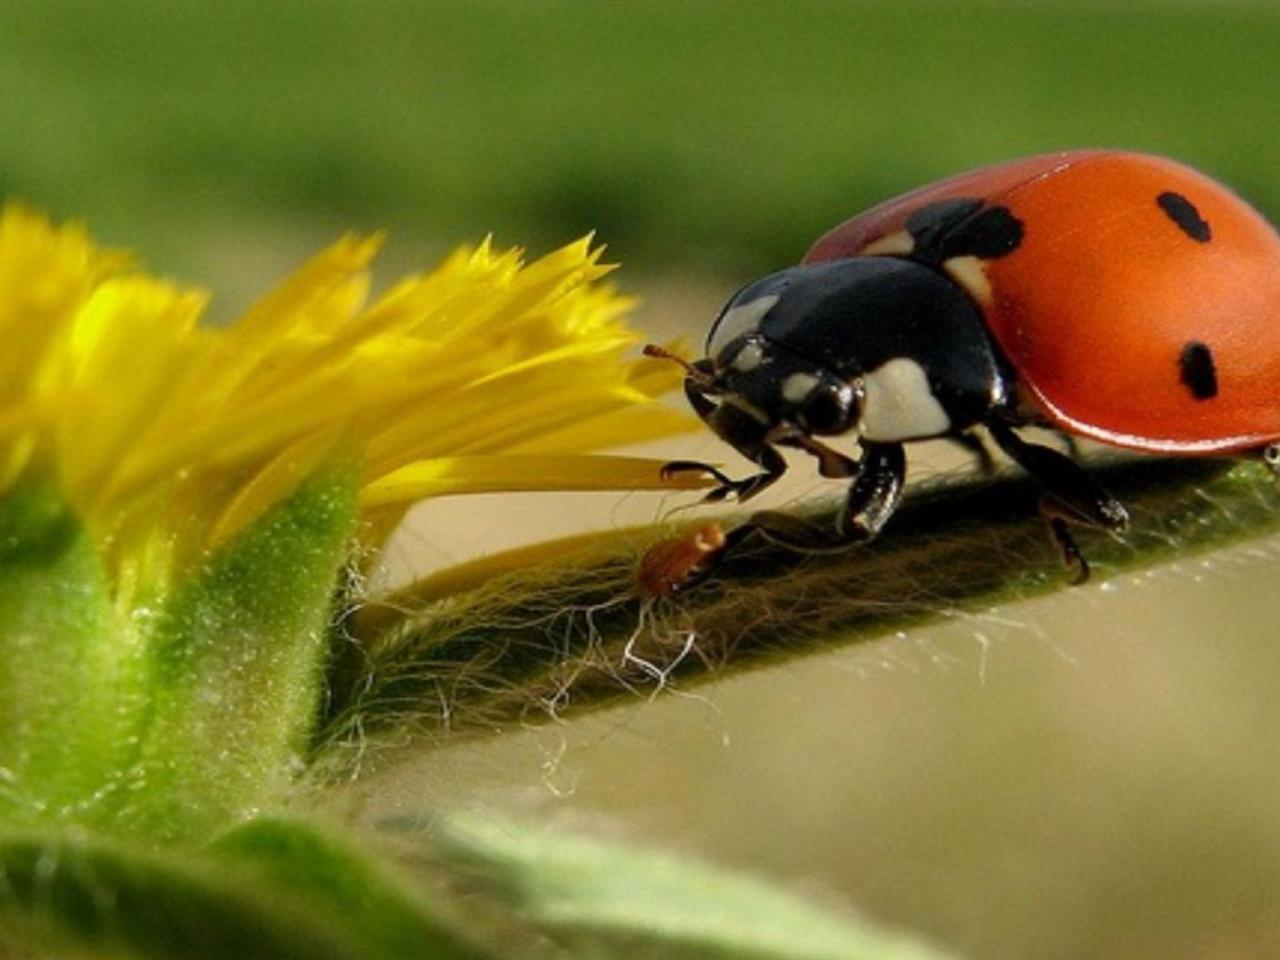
(1092,775)
(700,134)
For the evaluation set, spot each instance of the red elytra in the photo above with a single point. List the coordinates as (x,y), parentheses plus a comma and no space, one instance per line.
(1126,261)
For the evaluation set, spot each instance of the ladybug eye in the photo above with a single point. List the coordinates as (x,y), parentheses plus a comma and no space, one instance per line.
(829,408)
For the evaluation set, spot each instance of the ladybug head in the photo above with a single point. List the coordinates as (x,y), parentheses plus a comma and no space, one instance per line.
(765,386)
(763,381)
(883,346)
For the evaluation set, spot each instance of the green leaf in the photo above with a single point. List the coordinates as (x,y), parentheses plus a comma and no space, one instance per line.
(100,899)
(607,901)
(374,905)
(72,676)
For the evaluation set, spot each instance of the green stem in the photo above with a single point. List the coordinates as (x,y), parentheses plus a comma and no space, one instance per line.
(544,644)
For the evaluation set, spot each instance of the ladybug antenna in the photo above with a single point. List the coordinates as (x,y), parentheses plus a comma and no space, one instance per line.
(698,374)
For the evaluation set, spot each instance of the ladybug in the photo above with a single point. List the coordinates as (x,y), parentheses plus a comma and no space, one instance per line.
(1116,296)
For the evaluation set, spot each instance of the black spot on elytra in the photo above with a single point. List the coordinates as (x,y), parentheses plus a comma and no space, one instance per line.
(1198,373)
(963,227)
(992,233)
(942,216)
(1184,213)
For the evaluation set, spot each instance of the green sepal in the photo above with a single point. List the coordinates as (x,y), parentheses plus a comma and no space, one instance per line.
(236,657)
(71,674)
(606,901)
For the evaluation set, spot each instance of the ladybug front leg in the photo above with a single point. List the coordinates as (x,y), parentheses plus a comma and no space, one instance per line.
(746,488)
(705,409)
(742,432)
(1072,496)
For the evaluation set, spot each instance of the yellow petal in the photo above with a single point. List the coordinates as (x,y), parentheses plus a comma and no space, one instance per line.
(505,473)
(279,478)
(170,437)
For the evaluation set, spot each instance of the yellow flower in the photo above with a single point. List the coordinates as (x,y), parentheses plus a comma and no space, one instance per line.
(169,438)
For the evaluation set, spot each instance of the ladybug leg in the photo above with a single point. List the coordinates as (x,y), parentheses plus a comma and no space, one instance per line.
(761,454)
(831,463)
(1060,533)
(874,495)
(1271,457)
(672,467)
(1071,445)
(704,408)
(1071,495)
(739,432)
(746,488)
(871,500)
(974,445)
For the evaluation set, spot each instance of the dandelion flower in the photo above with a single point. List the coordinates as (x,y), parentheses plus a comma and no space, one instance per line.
(177,500)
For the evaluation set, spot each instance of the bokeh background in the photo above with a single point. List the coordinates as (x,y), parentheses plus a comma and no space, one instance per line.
(1089,775)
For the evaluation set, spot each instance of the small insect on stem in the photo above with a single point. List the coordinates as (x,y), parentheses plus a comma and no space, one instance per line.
(676,564)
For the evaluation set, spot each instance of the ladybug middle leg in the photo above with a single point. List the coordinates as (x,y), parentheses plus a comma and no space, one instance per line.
(972,443)
(831,463)
(874,495)
(1071,494)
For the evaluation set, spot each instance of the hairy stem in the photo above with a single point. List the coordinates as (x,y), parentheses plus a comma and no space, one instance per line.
(576,635)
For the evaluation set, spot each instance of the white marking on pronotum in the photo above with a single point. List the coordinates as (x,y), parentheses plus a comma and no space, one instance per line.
(734,322)
(898,404)
(748,358)
(798,386)
(970,273)
(891,245)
